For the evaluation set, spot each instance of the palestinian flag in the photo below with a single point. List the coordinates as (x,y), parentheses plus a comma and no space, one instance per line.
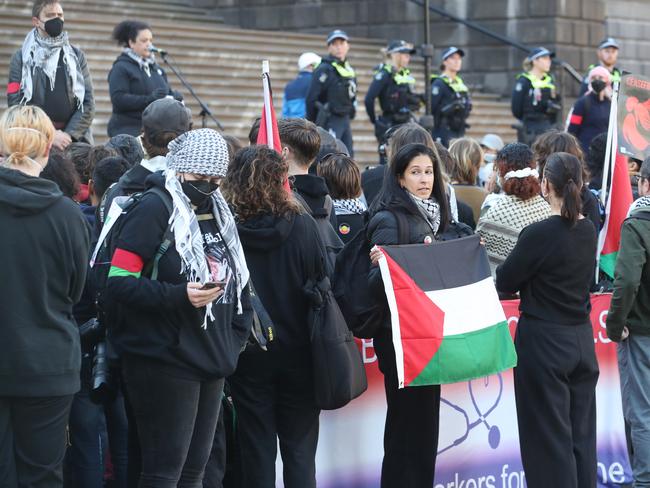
(448,324)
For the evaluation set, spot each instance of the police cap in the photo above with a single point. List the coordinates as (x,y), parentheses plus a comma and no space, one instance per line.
(400,46)
(451,51)
(539,52)
(608,42)
(336,34)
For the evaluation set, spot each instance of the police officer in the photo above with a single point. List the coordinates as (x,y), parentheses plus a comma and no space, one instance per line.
(607,57)
(393,84)
(450,100)
(332,98)
(535,101)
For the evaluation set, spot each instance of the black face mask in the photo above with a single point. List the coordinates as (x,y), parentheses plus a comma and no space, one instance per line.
(54,27)
(199,191)
(598,85)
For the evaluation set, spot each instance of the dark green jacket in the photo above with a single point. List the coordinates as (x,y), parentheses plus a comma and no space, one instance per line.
(631,299)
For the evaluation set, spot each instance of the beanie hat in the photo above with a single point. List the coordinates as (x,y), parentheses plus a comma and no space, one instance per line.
(128,147)
(201,152)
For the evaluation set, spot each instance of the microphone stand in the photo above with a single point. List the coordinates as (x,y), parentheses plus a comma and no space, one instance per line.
(205,111)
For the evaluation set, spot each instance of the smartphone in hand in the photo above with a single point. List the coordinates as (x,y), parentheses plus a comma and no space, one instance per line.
(209,285)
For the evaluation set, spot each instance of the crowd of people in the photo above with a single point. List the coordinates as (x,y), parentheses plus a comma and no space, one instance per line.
(145,337)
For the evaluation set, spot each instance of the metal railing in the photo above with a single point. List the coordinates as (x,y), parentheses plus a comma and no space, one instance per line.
(494,35)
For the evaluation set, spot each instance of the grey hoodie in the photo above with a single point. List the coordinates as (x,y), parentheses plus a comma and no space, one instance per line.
(43,255)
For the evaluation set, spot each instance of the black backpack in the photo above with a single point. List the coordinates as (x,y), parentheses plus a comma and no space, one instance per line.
(102,265)
(363,313)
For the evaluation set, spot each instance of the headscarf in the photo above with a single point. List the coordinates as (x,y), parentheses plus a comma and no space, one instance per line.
(202,152)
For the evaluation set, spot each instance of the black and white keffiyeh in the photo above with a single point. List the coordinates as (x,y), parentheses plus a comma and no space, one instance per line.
(430,210)
(641,202)
(43,53)
(202,152)
(144,63)
(349,206)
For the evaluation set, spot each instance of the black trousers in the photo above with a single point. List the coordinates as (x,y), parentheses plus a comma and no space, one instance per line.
(33,441)
(340,125)
(555,391)
(176,419)
(412,425)
(274,399)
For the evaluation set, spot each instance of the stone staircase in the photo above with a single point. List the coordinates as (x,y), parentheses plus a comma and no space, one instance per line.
(222,63)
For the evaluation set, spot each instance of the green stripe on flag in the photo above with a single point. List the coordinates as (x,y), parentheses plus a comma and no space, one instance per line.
(115,271)
(464,357)
(608,263)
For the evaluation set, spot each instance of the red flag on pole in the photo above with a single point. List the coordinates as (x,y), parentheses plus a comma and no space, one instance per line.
(268,133)
(616,192)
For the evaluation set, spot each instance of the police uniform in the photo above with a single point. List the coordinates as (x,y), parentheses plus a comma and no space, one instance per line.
(535,102)
(332,98)
(450,104)
(394,89)
(616,73)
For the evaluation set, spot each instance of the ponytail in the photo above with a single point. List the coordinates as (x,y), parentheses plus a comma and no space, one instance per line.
(571,202)
(564,172)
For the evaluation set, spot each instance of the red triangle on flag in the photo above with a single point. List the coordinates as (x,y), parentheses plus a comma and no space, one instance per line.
(420,322)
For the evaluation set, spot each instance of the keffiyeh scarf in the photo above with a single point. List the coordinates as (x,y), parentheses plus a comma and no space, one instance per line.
(430,210)
(350,206)
(189,240)
(44,52)
(145,64)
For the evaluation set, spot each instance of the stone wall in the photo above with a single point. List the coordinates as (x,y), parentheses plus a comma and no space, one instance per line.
(571,27)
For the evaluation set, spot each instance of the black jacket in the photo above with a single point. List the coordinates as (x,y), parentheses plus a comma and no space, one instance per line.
(282,253)
(78,126)
(44,253)
(155,319)
(328,86)
(314,191)
(133,181)
(131,91)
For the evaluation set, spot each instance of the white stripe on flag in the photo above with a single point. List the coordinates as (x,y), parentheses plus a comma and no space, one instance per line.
(392,305)
(469,308)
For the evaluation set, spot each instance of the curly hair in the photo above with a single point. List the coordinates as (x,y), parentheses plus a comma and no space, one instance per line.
(254,184)
(513,157)
(467,155)
(128,30)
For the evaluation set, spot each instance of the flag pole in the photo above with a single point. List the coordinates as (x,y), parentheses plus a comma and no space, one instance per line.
(610,152)
(610,160)
(267,103)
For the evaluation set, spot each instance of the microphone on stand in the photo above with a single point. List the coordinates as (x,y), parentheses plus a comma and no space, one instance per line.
(154,49)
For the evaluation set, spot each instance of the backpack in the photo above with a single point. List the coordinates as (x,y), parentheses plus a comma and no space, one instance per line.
(328,234)
(363,313)
(100,263)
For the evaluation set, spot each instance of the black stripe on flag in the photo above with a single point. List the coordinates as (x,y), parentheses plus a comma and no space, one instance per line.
(442,265)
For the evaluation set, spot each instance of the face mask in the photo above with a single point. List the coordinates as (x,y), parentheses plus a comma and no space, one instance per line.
(598,85)
(489,158)
(54,27)
(199,191)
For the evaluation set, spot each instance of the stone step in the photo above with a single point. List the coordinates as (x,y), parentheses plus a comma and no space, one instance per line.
(222,63)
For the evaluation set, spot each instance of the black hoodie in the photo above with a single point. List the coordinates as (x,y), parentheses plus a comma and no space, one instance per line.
(44,250)
(313,191)
(282,254)
(155,319)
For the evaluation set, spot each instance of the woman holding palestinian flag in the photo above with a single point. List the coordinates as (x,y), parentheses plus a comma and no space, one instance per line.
(413,196)
(552,267)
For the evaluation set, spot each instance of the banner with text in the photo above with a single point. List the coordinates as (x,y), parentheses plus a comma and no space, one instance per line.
(478,444)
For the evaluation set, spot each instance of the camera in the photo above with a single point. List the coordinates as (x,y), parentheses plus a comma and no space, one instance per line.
(104,382)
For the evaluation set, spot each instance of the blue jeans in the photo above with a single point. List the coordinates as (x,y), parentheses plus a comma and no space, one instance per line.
(89,424)
(634,368)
